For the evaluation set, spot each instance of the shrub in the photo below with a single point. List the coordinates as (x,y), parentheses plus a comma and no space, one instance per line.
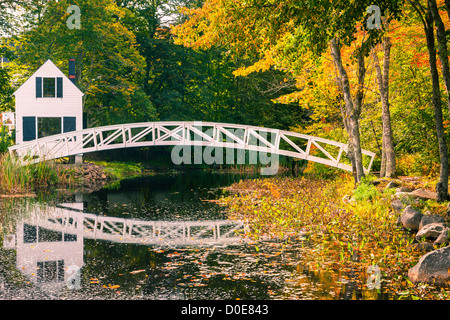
(6,139)
(365,191)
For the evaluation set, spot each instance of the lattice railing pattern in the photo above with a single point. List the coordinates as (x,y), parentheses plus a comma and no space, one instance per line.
(221,135)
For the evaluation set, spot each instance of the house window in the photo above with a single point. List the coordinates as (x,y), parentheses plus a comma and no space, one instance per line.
(29,233)
(49,126)
(50,271)
(49,87)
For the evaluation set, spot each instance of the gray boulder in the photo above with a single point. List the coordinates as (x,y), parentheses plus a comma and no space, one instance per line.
(392,184)
(423,194)
(432,267)
(447,213)
(404,196)
(411,218)
(427,219)
(397,205)
(403,189)
(430,231)
(443,237)
(422,247)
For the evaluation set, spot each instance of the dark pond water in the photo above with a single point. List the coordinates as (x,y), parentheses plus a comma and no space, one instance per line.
(157,237)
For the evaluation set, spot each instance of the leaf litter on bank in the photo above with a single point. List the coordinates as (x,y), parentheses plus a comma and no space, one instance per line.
(342,238)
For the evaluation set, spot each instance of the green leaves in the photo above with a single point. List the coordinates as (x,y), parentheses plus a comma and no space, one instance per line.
(108,63)
(6,90)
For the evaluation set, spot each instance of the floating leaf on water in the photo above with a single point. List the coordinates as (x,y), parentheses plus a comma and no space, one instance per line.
(137,271)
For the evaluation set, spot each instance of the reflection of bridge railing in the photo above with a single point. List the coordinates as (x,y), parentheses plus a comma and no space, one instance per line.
(123,230)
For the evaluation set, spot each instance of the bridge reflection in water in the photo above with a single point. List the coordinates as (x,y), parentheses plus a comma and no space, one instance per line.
(49,242)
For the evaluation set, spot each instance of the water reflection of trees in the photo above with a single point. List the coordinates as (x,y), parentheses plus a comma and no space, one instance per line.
(187,273)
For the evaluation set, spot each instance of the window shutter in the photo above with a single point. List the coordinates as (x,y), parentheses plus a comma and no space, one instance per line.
(69,124)
(38,87)
(59,87)
(29,128)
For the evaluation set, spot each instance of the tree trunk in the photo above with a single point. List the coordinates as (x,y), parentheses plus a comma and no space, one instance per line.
(383,159)
(352,108)
(442,46)
(442,185)
(388,155)
(350,153)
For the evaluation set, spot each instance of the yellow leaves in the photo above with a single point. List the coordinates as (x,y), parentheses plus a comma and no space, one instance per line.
(110,286)
(260,66)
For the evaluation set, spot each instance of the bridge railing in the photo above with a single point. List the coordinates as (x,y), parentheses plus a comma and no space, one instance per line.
(167,133)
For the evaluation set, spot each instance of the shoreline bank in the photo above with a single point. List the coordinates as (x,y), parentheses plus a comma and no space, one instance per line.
(346,230)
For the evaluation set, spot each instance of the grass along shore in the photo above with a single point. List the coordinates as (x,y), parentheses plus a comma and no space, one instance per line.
(343,238)
(18,180)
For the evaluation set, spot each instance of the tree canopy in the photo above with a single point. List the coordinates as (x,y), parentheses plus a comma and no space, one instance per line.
(311,66)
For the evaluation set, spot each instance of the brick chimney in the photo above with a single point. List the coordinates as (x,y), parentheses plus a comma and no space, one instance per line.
(72,75)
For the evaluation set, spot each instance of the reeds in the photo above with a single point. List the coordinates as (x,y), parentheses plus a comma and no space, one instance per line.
(16,178)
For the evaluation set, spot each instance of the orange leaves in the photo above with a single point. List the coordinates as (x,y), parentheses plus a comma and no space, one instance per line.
(94,280)
(202,29)
(112,287)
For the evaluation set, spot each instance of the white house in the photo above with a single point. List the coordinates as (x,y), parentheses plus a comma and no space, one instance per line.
(48,103)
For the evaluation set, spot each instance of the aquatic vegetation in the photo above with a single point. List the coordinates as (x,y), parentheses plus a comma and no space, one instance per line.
(345,237)
(16,179)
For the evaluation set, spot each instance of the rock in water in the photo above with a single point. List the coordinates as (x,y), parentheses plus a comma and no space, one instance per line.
(432,267)
(430,231)
(411,218)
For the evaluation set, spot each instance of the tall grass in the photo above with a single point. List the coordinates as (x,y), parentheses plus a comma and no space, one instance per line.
(16,178)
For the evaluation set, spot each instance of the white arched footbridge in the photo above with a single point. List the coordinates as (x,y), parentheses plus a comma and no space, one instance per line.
(194,133)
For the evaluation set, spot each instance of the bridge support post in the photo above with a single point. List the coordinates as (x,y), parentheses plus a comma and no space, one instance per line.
(79,159)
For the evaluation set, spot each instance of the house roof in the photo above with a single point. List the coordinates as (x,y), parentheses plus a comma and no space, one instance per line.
(52,65)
